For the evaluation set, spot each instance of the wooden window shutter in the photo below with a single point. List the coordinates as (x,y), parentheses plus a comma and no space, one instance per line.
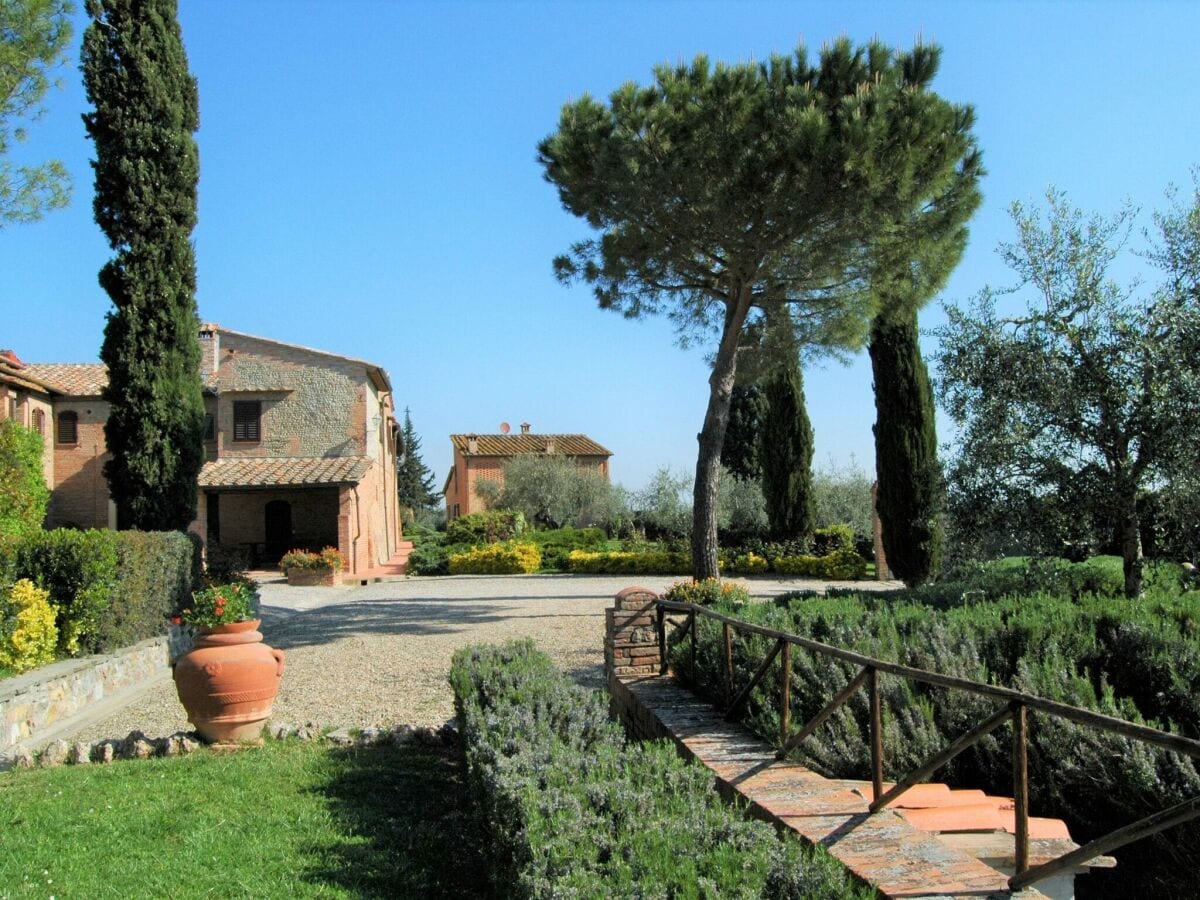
(246,417)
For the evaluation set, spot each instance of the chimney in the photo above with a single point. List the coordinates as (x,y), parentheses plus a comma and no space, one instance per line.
(210,350)
(472,443)
(551,446)
(524,428)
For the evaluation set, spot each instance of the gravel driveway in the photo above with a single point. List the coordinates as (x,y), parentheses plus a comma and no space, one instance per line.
(379,654)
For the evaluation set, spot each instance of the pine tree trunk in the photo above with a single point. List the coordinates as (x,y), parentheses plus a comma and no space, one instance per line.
(712,438)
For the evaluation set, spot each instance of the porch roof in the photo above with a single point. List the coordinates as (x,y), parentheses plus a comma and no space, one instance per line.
(282,471)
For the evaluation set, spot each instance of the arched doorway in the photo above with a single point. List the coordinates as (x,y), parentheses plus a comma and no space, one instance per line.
(277,530)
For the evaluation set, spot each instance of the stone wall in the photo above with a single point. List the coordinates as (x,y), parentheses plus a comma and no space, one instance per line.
(313,404)
(31,705)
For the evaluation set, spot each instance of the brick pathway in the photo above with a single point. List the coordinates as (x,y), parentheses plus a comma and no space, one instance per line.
(884,849)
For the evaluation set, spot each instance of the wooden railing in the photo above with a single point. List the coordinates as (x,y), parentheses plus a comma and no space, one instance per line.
(1015,708)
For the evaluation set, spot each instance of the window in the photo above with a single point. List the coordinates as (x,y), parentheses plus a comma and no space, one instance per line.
(68,428)
(39,422)
(210,427)
(246,416)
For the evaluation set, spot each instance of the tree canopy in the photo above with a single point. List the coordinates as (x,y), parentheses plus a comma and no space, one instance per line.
(34,35)
(725,194)
(1092,391)
(147,165)
(552,490)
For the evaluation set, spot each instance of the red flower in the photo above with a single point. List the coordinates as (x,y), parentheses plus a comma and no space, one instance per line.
(220,611)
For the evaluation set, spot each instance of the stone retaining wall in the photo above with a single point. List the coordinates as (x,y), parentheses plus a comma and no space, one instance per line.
(35,704)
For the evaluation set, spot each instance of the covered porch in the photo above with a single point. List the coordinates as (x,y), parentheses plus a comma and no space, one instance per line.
(259,509)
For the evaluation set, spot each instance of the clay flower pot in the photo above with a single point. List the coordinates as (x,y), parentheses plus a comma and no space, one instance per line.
(229,681)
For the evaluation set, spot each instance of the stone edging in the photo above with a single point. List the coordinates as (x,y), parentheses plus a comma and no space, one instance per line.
(36,705)
(137,746)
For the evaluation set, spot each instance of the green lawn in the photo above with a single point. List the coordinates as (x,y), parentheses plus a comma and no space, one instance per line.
(289,820)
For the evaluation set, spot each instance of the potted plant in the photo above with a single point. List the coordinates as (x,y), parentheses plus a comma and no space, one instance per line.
(307,569)
(228,683)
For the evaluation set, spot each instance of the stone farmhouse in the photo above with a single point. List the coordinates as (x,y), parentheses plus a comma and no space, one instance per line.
(301,447)
(482,457)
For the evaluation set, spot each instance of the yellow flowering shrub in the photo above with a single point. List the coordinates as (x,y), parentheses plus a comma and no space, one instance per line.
(27,632)
(749,563)
(497,559)
(708,592)
(841,565)
(629,562)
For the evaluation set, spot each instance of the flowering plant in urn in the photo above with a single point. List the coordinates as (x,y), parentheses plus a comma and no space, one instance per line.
(220,604)
(228,683)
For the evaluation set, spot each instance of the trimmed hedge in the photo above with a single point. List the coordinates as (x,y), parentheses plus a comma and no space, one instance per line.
(497,559)
(841,565)
(708,592)
(154,579)
(570,811)
(109,589)
(1138,661)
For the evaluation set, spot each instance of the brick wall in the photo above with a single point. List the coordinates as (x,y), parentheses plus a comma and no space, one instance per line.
(630,638)
(80,495)
(631,652)
(314,515)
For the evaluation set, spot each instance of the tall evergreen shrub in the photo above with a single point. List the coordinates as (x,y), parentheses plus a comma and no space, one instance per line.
(909,496)
(785,454)
(147,165)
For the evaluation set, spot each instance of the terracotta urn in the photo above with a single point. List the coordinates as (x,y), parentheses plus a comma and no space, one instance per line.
(229,681)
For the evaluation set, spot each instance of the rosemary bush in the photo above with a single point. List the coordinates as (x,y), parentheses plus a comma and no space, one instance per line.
(571,811)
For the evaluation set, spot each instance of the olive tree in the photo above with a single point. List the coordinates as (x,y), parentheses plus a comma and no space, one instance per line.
(1092,391)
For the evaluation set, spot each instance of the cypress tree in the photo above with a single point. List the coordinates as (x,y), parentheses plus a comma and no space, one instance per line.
(414,480)
(909,495)
(147,165)
(911,263)
(739,453)
(786,452)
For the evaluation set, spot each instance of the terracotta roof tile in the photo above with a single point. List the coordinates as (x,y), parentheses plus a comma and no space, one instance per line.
(517,444)
(285,471)
(17,375)
(72,379)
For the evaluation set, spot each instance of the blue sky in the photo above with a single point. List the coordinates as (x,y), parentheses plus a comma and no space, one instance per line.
(369,186)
